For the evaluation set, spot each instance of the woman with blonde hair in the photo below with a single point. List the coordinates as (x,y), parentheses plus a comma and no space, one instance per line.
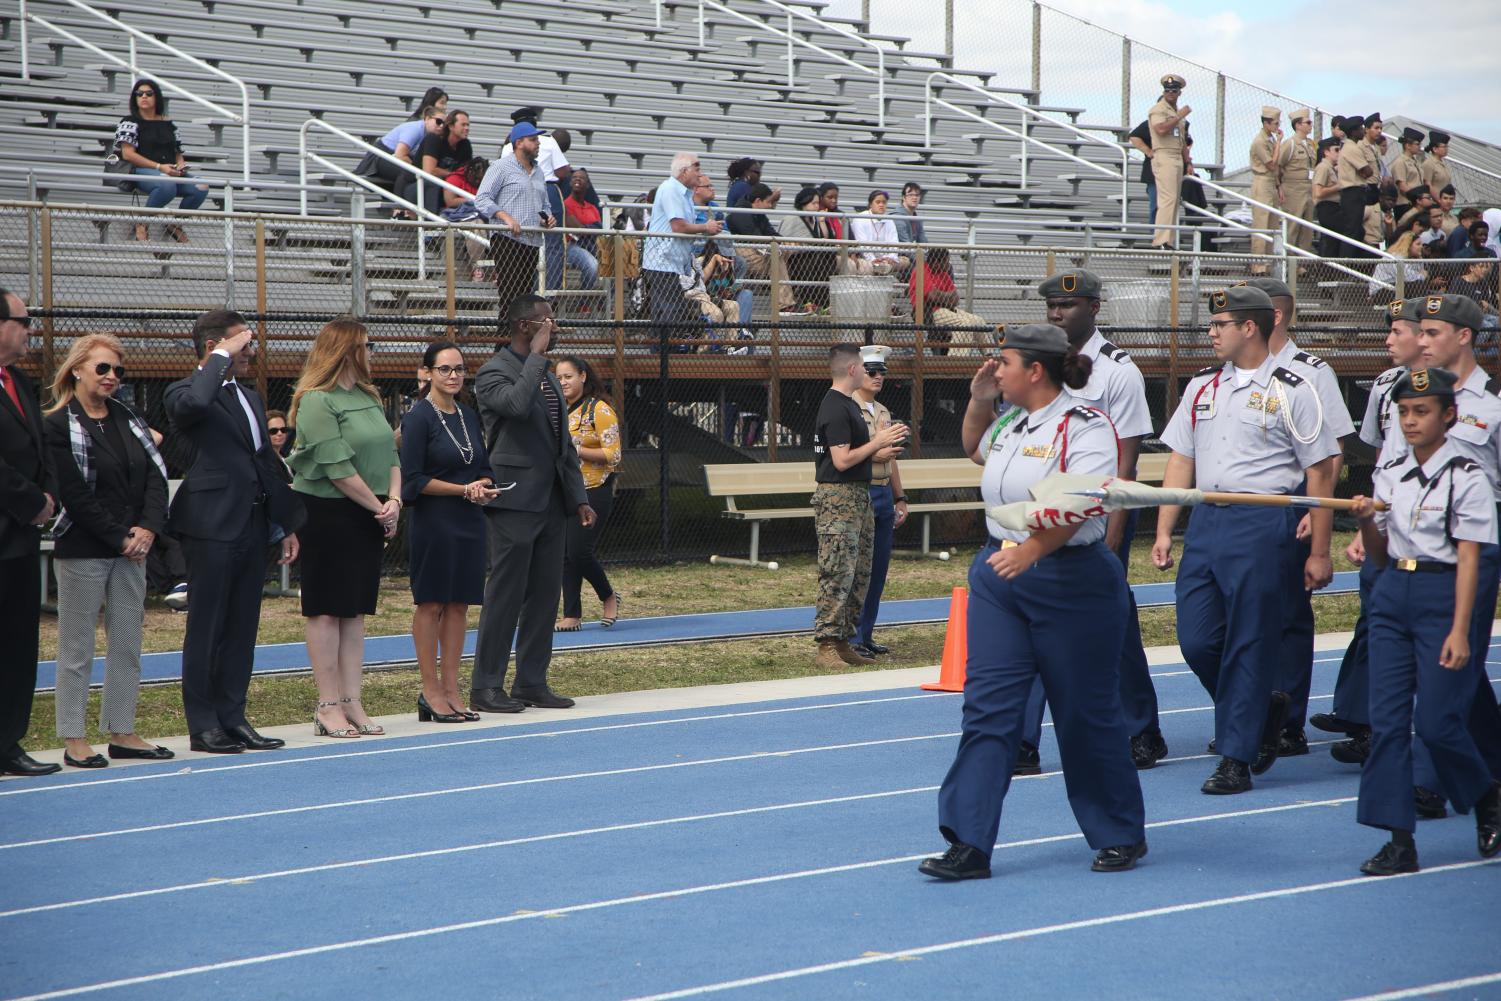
(346,470)
(113,486)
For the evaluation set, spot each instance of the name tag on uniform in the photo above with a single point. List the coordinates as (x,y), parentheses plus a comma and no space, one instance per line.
(1039,451)
(1204,410)
(1265,404)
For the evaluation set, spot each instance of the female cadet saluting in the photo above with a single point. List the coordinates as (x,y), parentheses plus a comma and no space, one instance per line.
(1441,512)
(1028,593)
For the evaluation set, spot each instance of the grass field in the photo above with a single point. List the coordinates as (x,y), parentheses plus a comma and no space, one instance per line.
(654,590)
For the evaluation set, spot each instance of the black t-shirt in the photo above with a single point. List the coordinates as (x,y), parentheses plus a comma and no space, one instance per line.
(154,138)
(839,423)
(449,157)
(1144,133)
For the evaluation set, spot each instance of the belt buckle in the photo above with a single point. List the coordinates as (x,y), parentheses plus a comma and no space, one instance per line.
(1008,544)
(1409,565)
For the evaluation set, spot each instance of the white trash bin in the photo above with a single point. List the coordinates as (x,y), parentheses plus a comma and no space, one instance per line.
(861,298)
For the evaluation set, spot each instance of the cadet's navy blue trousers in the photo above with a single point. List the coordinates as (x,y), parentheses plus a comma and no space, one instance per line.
(1410,617)
(880,562)
(1027,628)
(1232,607)
(1296,674)
(1352,689)
(1138,696)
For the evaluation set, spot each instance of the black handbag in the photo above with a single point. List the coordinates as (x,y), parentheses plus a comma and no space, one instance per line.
(119,170)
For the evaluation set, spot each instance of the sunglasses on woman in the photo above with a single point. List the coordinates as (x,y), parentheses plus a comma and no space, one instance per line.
(277,430)
(145,93)
(103,368)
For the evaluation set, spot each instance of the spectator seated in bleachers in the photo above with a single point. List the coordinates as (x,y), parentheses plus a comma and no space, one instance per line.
(457,208)
(441,153)
(909,228)
(1480,235)
(876,234)
(1434,232)
(147,140)
(1460,237)
(1414,275)
(828,201)
(744,174)
(581,210)
(403,142)
(1446,198)
(1419,201)
(707,208)
(809,267)
(1478,281)
(433,97)
(941,309)
(714,289)
(755,258)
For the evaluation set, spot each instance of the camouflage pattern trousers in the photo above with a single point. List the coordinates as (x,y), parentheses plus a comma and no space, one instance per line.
(846,525)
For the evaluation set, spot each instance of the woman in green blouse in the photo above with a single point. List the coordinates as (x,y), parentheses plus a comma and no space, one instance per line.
(346,469)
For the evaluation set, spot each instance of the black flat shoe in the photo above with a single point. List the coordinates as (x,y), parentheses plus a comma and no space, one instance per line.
(427,714)
(542,698)
(1028,760)
(120,751)
(1391,860)
(1353,751)
(22,763)
(959,862)
(1147,749)
(215,741)
(245,734)
(1429,804)
(1488,823)
(494,700)
(92,761)
(1229,778)
(1292,744)
(1271,734)
(1330,723)
(1209,748)
(878,649)
(1120,858)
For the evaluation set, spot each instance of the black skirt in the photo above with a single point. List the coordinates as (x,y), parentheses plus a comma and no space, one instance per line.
(342,546)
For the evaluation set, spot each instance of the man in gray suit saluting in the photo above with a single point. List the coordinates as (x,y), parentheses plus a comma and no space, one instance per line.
(526,429)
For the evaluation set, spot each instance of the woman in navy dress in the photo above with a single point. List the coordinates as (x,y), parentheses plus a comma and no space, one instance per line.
(445,483)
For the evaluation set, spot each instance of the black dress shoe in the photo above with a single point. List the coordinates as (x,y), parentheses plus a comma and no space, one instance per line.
(542,698)
(494,700)
(22,763)
(215,741)
(1148,748)
(119,751)
(863,650)
(1271,734)
(1391,860)
(1292,744)
(1230,777)
(245,734)
(878,649)
(1028,760)
(1353,751)
(1209,748)
(1488,823)
(959,862)
(92,761)
(1429,804)
(1120,858)
(1330,723)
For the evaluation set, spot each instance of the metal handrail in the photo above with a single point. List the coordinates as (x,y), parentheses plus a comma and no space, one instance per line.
(1365,248)
(242,119)
(792,39)
(1470,166)
(928,99)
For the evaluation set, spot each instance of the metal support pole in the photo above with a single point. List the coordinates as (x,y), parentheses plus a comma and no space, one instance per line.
(864,12)
(1195,279)
(134,72)
(617,282)
(452,292)
(33,265)
(1037,49)
(1125,82)
(774,383)
(919,352)
(421,236)
(969,267)
(791,60)
(25,56)
(229,249)
(664,448)
(49,363)
(357,254)
(1219,117)
(948,30)
(260,309)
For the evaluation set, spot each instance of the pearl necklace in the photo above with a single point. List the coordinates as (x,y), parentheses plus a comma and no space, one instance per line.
(466,450)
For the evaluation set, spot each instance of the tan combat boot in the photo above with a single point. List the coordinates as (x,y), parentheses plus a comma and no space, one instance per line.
(849,656)
(829,658)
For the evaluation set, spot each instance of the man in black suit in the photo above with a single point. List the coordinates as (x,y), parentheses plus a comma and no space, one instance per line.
(28,492)
(236,491)
(526,428)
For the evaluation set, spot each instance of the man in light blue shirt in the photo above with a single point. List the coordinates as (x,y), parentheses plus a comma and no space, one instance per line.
(664,260)
(514,193)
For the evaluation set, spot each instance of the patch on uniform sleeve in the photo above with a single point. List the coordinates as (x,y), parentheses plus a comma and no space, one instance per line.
(1291,378)
(1114,352)
(1304,358)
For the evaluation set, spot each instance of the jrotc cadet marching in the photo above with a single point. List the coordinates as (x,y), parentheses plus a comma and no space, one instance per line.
(1441,514)
(1297,158)
(1246,425)
(1028,594)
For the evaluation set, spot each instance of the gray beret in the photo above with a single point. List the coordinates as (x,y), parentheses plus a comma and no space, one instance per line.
(1239,297)
(1080,284)
(1425,382)
(1273,287)
(1042,337)
(1460,310)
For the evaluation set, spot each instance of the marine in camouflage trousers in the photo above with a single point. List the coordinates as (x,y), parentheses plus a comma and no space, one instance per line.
(846,525)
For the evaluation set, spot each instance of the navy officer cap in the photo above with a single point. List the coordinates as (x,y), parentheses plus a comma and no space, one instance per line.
(1040,337)
(1238,297)
(1080,284)
(1438,382)
(1460,310)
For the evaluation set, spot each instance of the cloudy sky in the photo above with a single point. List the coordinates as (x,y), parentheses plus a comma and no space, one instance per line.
(1310,51)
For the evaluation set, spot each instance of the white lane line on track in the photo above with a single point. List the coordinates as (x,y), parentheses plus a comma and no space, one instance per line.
(689,891)
(1427,990)
(1067,926)
(441,745)
(481,787)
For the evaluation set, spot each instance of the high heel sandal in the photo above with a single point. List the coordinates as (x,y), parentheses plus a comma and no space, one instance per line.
(427,714)
(320,730)
(609,621)
(367,729)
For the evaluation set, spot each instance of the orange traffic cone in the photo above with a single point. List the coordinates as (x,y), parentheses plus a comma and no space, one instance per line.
(955,645)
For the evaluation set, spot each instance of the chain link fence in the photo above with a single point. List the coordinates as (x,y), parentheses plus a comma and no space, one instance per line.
(732,373)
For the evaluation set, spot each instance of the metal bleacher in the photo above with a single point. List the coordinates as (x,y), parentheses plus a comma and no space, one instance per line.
(630,92)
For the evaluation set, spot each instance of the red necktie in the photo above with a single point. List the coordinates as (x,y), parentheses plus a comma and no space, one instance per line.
(10,390)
